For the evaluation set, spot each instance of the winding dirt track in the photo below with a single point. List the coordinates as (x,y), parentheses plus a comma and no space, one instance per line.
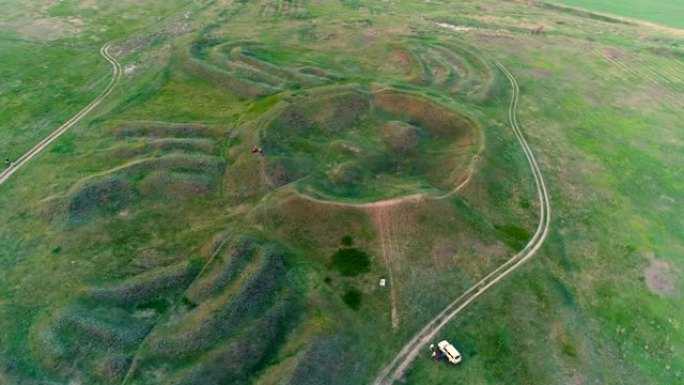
(396,368)
(24,159)
(116,76)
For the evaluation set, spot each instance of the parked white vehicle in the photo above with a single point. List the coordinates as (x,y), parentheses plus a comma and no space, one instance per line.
(450,352)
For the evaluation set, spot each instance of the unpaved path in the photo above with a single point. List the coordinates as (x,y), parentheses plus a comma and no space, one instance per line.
(382,219)
(116,76)
(396,368)
(38,148)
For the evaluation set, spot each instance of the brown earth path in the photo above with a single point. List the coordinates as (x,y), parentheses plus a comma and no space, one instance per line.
(382,219)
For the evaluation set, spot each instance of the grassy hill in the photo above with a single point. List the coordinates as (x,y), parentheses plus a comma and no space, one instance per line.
(151,245)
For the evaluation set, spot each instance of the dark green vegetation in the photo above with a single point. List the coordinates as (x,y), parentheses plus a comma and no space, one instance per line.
(352,298)
(351,262)
(514,236)
(347,240)
(148,245)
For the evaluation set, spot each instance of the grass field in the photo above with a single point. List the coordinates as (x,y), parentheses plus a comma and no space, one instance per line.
(50,56)
(665,12)
(150,245)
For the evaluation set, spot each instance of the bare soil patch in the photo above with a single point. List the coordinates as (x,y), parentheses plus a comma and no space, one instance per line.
(540,73)
(47,29)
(660,277)
(381,216)
(443,254)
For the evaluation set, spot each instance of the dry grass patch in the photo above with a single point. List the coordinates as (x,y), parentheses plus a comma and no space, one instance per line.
(661,277)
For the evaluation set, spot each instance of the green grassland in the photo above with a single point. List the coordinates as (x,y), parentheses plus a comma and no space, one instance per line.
(51,67)
(149,245)
(666,12)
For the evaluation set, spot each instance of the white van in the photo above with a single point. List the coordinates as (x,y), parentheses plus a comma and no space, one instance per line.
(450,351)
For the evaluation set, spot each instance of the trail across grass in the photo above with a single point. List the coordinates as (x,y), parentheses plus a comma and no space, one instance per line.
(116,76)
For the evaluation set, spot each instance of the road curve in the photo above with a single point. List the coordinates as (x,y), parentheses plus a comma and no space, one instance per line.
(396,368)
(24,159)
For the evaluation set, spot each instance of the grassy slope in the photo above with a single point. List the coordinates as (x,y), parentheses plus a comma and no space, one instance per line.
(581,311)
(666,12)
(558,320)
(29,110)
(52,60)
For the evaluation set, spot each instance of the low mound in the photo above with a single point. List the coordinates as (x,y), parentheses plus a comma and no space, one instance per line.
(358,146)
(240,309)
(455,69)
(159,130)
(146,286)
(177,186)
(212,321)
(223,271)
(140,146)
(246,68)
(105,196)
(163,162)
(400,138)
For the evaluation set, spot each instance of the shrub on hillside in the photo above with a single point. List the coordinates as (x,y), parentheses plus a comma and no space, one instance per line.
(351,261)
(347,240)
(352,298)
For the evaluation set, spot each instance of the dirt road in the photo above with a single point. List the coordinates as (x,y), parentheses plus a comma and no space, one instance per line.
(396,368)
(24,159)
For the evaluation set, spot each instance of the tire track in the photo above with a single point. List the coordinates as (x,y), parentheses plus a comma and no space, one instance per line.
(382,218)
(396,368)
(38,148)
